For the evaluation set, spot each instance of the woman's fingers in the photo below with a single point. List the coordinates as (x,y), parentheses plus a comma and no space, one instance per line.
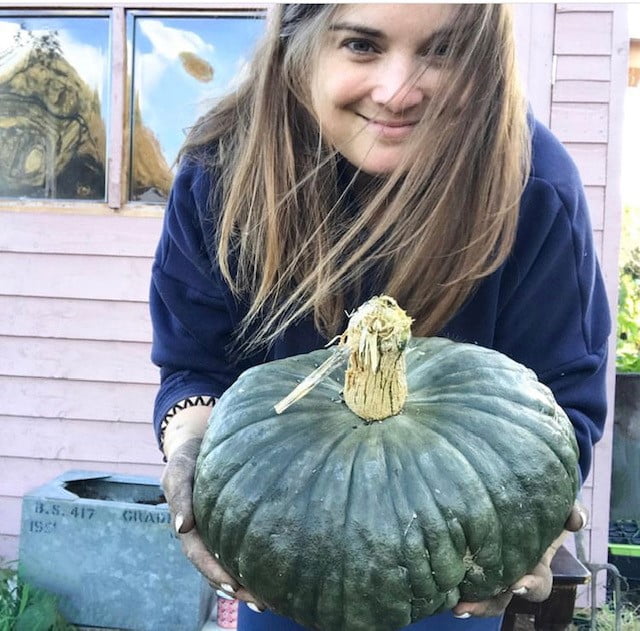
(177,484)
(578,518)
(195,550)
(536,586)
(483,609)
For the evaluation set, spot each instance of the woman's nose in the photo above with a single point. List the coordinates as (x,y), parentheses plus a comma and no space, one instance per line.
(398,86)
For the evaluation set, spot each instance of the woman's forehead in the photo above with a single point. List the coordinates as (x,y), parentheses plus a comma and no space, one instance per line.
(417,18)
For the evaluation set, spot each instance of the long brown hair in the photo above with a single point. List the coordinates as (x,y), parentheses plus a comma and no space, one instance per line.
(444,219)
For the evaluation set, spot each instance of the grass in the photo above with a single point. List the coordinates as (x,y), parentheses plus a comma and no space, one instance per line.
(606,619)
(24,607)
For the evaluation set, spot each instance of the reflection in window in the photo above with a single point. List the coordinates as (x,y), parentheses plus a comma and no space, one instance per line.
(181,65)
(53,87)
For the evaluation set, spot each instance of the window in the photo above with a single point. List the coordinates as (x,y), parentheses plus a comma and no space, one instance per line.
(54,75)
(181,65)
(94,105)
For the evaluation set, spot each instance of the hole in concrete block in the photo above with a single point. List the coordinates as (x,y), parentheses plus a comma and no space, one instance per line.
(111,491)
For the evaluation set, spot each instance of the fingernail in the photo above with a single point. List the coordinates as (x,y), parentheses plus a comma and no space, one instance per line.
(227,588)
(254,607)
(462,616)
(179,521)
(584,516)
(520,591)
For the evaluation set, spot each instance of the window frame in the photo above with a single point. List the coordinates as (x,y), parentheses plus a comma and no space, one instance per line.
(120,103)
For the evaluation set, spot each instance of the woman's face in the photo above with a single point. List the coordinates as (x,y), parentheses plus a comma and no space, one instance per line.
(371,83)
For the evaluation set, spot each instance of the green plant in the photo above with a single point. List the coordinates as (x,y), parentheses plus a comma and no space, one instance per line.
(344,516)
(606,618)
(24,607)
(628,322)
(628,343)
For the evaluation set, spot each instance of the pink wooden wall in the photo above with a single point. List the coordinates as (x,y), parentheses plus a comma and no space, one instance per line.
(576,74)
(590,49)
(76,383)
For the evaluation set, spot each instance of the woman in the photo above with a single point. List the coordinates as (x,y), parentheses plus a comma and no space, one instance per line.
(373,149)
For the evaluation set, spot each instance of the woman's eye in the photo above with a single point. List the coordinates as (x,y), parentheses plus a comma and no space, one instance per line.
(437,50)
(441,49)
(359,46)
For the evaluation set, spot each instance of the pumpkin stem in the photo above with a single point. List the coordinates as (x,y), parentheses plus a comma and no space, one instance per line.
(375,383)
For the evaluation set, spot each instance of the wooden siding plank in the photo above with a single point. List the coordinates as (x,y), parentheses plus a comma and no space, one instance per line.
(64,439)
(75,319)
(8,548)
(597,243)
(62,398)
(534,43)
(29,477)
(583,33)
(73,207)
(581,91)
(115,171)
(11,511)
(586,493)
(580,122)
(591,160)
(595,201)
(611,244)
(75,276)
(522,18)
(583,68)
(583,7)
(49,233)
(77,359)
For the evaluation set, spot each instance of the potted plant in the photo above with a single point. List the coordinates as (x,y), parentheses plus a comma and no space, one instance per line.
(625,490)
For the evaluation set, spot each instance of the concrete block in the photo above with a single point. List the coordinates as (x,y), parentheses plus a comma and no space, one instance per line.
(104,544)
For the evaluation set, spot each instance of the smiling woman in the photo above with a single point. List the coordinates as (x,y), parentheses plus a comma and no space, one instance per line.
(380,69)
(371,149)
(403,92)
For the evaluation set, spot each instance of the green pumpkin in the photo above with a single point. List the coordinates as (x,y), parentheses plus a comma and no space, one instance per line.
(349,524)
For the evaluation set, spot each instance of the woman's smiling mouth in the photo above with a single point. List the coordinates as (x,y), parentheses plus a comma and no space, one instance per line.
(393,130)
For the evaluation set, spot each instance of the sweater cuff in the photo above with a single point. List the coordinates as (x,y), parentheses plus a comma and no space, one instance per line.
(173,391)
(199,400)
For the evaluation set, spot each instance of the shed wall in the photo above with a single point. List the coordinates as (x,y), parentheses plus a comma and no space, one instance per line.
(590,50)
(76,382)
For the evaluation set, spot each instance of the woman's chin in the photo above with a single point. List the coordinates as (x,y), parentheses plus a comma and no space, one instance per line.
(379,165)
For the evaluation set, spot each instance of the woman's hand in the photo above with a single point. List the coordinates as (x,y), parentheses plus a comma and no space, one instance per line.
(536,586)
(177,483)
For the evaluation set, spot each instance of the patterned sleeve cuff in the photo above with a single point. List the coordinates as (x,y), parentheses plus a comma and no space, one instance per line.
(189,402)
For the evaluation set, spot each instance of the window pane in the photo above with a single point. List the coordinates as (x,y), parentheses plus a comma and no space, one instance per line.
(54,74)
(181,64)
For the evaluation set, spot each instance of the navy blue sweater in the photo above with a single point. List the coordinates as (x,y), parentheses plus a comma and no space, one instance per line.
(544,307)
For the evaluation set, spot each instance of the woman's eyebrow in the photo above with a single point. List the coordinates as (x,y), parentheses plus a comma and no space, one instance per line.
(357,28)
(444,33)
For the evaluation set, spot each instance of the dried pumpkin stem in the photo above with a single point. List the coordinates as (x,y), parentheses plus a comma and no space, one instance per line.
(375,384)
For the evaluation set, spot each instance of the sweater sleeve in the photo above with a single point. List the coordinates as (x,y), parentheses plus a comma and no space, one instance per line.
(554,315)
(189,306)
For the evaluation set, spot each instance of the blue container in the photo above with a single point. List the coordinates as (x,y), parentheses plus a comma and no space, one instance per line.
(104,544)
